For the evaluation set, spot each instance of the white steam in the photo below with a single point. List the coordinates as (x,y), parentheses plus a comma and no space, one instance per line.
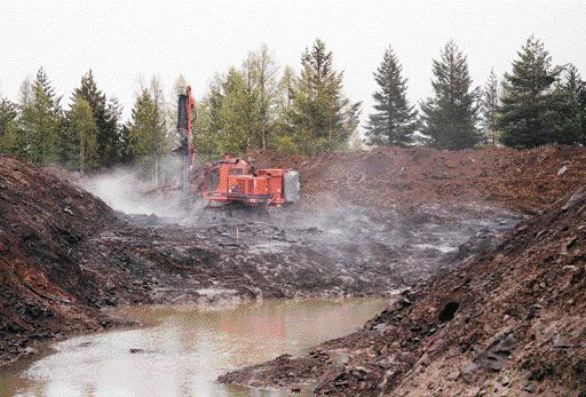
(126,189)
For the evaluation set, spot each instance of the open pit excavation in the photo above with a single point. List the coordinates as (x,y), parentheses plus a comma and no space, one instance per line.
(450,237)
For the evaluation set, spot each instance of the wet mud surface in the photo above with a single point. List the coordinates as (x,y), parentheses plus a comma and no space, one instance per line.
(288,252)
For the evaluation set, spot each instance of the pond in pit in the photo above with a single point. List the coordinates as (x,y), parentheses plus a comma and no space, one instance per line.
(181,350)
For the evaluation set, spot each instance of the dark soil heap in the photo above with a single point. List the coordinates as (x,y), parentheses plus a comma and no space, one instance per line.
(43,288)
(510,322)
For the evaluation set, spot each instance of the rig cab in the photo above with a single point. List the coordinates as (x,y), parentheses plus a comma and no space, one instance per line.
(233,180)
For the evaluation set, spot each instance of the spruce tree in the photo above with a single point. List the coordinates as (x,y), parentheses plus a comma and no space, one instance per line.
(41,121)
(106,123)
(321,117)
(125,154)
(113,126)
(570,102)
(490,108)
(147,132)
(450,116)
(527,115)
(141,125)
(395,120)
(8,113)
(9,136)
(81,140)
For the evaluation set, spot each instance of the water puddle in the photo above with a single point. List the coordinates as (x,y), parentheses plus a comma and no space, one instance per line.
(182,349)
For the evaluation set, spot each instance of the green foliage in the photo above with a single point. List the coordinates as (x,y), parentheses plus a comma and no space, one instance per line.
(528,115)
(8,114)
(395,120)
(238,114)
(257,106)
(8,133)
(124,149)
(569,98)
(260,72)
(450,116)
(40,121)
(228,121)
(81,137)
(240,111)
(489,108)
(106,117)
(114,132)
(148,140)
(285,144)
(320,117)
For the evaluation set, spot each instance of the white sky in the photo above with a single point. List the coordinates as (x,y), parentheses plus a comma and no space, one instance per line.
(124,42)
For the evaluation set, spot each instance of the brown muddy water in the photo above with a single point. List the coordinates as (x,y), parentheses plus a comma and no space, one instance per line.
(181,350)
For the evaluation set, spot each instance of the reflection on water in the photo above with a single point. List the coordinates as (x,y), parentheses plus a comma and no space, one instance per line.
(182,350)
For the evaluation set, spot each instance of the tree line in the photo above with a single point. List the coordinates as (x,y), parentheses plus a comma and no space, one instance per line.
(537,104)
(256,105)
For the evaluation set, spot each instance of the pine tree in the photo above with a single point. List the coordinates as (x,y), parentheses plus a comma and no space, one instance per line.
(527,115)
(15,139)
(450,116)
(125,153)
(106,122)
(570,101)
(321,117)
(113,126)
(9,136)
(141,126)
(40,121)
(8,113)
(81,137)
(147,131)
(395,120)
(490,108)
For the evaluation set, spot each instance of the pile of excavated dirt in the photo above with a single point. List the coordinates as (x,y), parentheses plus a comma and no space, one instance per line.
(524,181)
(508,322)
(48,285)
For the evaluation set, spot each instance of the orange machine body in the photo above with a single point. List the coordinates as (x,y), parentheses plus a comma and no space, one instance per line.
(233,180)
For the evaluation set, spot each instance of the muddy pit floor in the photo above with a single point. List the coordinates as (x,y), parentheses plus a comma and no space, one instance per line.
(239,253)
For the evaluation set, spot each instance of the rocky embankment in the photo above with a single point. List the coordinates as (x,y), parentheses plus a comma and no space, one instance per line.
(510,321)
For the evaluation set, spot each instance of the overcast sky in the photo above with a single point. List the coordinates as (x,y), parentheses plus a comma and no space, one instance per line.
(124,42)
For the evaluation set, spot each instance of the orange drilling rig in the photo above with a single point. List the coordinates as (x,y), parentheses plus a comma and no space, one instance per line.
(231,180)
